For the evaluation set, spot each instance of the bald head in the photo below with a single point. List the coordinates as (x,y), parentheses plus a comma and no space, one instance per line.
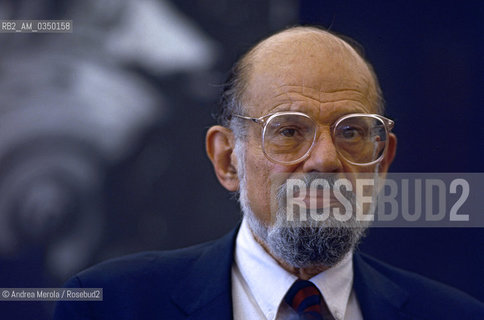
(312,56)
(308,42)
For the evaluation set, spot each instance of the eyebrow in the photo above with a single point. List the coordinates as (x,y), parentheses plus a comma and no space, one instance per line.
(314,114)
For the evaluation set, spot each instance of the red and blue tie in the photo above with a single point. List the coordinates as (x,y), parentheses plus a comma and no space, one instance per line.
(307,301)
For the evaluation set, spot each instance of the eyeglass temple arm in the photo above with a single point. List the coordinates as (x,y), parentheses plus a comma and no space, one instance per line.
(256,120)
(389,123)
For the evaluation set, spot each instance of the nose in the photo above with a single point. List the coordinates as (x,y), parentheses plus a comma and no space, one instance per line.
(324,156)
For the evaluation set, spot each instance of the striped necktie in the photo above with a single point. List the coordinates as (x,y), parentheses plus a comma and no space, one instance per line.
(306,300)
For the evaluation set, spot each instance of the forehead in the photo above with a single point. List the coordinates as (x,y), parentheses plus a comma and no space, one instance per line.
(309,72)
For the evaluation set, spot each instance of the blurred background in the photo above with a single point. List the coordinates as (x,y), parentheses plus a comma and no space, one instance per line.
(102,130)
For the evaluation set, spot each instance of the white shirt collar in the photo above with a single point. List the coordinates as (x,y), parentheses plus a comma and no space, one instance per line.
(336,284)
(269,282)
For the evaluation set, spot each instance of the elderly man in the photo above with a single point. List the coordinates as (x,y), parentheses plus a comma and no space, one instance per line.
(300,103)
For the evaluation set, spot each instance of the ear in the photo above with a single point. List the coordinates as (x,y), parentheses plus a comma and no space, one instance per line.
(219,144)
(389,153)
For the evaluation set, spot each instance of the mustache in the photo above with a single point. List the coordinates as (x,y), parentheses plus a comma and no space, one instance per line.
(307,180)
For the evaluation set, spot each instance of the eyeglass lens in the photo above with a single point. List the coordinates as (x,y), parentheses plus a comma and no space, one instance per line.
(359,139)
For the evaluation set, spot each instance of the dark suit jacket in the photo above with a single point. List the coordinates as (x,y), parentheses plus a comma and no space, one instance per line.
(195,283)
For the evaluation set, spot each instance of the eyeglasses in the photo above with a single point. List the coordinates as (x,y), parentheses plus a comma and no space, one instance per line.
(288,137)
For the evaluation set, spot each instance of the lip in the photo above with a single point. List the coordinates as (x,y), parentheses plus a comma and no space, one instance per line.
(322,202)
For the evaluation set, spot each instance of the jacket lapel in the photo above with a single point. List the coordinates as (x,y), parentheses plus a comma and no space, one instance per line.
(378,296)
(206,292)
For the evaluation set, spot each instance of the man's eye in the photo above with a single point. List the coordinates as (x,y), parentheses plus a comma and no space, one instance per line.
(288,132)
(351,133)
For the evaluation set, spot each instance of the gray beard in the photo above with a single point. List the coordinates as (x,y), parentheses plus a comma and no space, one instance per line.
(309,243)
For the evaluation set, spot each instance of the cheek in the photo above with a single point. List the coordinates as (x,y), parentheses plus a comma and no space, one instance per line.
(355,170)
(354,173)
(258,173)
(258,189)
